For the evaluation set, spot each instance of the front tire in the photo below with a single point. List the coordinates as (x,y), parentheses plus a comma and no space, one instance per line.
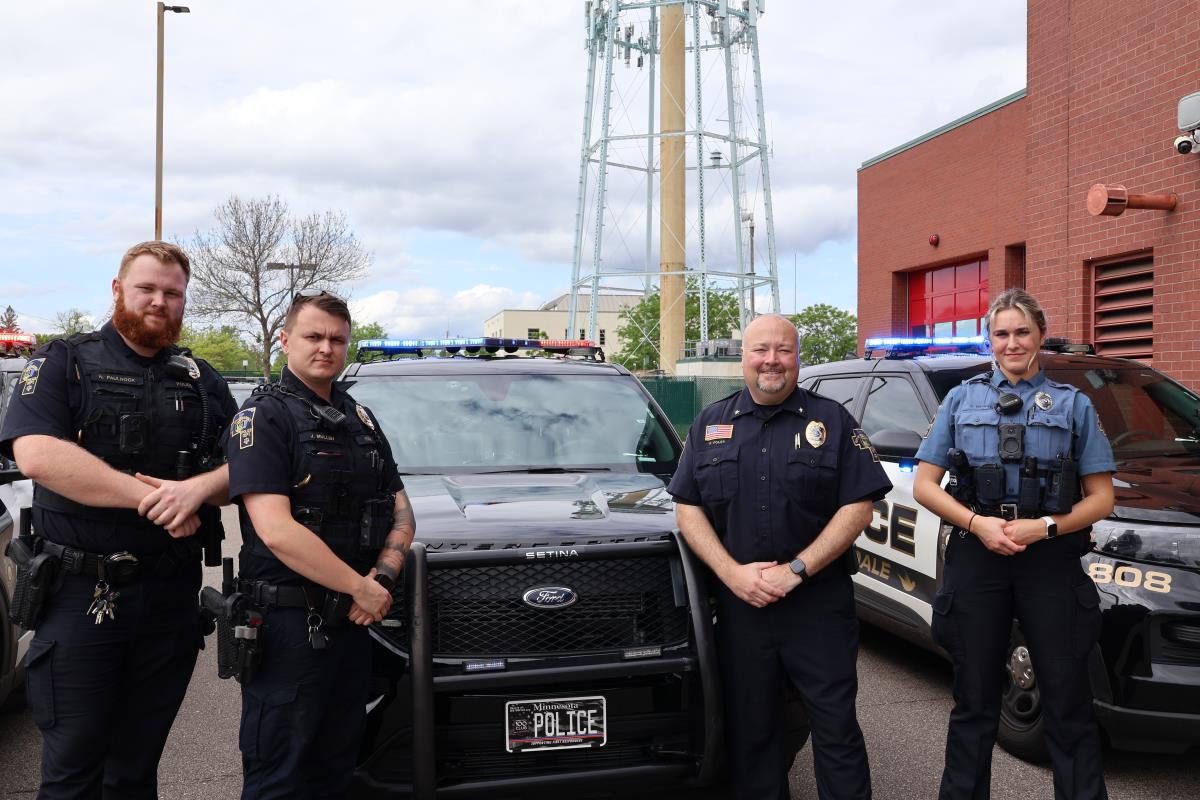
(1021,720)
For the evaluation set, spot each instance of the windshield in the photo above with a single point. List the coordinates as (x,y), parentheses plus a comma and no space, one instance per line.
(500,422)
(1144,412)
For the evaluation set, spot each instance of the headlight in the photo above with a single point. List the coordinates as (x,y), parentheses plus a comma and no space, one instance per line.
(1155,544)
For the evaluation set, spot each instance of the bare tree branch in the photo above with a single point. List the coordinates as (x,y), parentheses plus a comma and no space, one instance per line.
(246,270)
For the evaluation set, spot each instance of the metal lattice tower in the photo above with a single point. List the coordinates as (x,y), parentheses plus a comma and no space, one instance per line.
(630,151)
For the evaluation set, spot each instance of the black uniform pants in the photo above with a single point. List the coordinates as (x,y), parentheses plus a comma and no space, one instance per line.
(104,696)
(303,714)
(809,638)
(1057,607)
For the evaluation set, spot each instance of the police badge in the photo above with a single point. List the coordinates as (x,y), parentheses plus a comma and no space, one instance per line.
(814,434)
(363,416)
(1043,401)
(192,368)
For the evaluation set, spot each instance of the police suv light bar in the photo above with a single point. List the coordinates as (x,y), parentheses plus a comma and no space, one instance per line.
(14,341)
(922,345)
(487,344)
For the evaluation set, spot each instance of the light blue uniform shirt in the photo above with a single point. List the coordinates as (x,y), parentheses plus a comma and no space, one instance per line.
(968,421)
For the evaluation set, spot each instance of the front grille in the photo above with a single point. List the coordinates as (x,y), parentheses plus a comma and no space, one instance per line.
(1180,643)
(623,602)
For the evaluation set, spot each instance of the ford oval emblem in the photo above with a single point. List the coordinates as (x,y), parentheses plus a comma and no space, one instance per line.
(550,597)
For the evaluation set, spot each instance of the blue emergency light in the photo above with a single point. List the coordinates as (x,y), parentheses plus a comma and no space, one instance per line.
(909,347)
(486,344)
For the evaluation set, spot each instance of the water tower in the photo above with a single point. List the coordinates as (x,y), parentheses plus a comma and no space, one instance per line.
(674,183)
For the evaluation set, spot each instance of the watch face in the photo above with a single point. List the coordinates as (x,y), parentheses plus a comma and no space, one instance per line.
(798,567)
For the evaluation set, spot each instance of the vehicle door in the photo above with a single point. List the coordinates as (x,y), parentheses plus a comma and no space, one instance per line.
(898,552)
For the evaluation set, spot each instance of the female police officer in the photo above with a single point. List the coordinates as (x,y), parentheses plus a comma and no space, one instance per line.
(1020,447)
(320,501)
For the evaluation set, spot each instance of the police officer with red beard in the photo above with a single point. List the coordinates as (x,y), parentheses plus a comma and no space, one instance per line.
(118,430)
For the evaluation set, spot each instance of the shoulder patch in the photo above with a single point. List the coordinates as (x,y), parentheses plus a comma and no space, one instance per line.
(29,375)
(242,428)
(858,437)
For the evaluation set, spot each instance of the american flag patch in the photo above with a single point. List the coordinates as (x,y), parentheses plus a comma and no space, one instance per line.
(714,433)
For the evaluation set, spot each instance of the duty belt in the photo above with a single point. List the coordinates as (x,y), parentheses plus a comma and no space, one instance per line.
(116,569)
(278,595)
(1009,511)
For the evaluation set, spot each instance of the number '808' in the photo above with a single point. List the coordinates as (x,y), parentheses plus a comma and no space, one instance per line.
(1125,575)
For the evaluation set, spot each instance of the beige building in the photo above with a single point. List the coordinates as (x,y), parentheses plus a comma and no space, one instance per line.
(524,323)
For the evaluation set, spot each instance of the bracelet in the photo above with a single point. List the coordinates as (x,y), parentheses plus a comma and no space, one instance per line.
(970,521)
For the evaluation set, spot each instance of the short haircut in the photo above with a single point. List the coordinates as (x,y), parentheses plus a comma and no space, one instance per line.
(1018,300)
(164,251)
(328,302)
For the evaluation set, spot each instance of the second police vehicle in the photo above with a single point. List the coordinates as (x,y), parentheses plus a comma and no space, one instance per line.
(1145,559)
(553,634)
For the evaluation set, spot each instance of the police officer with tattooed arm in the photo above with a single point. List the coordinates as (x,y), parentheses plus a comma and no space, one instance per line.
(118,429)
(326,525)
(774,484)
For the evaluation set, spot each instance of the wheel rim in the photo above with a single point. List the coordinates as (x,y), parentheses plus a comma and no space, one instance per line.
(1022,701)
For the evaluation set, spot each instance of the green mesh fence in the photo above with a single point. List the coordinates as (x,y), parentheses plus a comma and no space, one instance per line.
(682,398)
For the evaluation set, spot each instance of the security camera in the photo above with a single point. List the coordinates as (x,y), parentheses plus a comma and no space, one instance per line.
(1184,144)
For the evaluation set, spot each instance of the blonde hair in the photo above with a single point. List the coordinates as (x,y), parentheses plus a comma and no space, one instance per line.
(1018,300)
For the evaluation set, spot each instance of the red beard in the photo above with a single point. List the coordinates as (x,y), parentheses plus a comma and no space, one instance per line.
(132,326)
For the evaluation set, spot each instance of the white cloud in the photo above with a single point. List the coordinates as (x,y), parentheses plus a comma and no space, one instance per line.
(425,311)
(458,117)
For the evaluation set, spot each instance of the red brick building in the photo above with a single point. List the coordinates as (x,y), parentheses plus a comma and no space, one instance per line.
(1005,191)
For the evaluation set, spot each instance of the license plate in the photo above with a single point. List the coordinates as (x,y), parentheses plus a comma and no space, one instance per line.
(557,723)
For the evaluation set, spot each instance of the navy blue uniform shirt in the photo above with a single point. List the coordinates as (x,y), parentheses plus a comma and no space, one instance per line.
(1090,446)
(770,477)
(263,459)
(40,405)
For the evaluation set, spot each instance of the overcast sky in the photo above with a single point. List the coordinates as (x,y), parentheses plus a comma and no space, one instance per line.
(448,132)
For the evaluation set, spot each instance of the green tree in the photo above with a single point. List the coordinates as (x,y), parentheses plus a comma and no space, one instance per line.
(222,347)
(827,333)
(8,321)
(639,325)
(360,331)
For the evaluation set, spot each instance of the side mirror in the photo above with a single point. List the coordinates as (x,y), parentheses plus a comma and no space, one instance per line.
(896,443)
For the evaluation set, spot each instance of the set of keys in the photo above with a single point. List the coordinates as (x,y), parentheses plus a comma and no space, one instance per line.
(104,603)
(317,637)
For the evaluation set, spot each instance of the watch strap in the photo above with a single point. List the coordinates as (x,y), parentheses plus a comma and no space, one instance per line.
(1051,527)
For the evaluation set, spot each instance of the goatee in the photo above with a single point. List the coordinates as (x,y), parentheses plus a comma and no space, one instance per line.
(132,326)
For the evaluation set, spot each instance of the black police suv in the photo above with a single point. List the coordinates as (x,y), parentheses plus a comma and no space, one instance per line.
(553,634)
(15,493)
(1145,559)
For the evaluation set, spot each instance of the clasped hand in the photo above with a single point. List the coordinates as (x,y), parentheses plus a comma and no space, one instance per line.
(371,601)
(761,583)
(172,504)
(1008,537)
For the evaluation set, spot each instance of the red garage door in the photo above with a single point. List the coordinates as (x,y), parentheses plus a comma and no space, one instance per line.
(948,301)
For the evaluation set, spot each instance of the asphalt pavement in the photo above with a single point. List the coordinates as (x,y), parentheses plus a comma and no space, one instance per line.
(903,705)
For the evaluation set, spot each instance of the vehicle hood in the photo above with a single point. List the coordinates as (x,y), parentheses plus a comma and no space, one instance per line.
(522,509)
(1165,490)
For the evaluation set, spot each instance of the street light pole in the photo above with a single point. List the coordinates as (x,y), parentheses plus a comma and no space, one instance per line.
(158,133)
